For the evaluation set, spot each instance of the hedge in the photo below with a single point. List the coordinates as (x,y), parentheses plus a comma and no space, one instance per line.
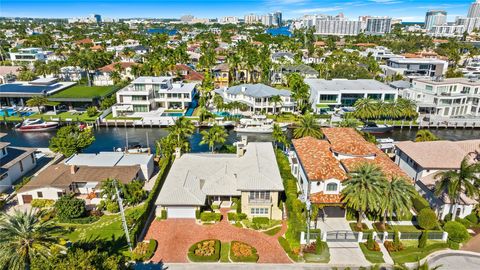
(42,203)
(214,258)
(236,217)
(286,246)
(152,247)
(261,220)
(209,217)
(420,203)
(252,258)
(137,228)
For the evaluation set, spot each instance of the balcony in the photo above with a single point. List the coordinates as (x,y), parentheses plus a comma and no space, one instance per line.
(259,201)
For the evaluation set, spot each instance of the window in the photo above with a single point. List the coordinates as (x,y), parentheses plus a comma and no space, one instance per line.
(331,187)
(40,194)
(139,87)
(259,211)
(139,98)
(59,194)
(259,195)
(156,87)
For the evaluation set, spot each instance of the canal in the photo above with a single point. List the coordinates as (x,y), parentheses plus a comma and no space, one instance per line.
(108,138)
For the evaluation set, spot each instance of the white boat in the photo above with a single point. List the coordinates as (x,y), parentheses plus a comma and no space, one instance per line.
(220,122)
(257,124)
(35,125)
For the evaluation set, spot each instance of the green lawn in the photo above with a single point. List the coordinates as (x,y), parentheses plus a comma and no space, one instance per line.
(273,231)
(225,249)
(251,225)
(412,253)
(84,91)
(409,228)
(372,256)
(106,227)
(67,115)
(110,117)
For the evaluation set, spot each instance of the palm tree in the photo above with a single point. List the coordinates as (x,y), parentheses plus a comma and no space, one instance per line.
(365,109)
(277,134)
(25,237)
(37,101)
(363,190)
(425,135)
(397,196)
(275,100)
(218,102)
(456,182)
(182,128)
(307,126)
(216,134)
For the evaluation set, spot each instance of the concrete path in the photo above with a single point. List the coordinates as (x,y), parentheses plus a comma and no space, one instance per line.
(386,255)
(454,259)
(347,254)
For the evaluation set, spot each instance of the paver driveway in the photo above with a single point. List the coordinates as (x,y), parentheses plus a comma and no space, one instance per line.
(175,236)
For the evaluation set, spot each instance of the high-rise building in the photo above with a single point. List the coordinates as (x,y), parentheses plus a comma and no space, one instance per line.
(229,19)
(474,10)
(435,18)
(338,27)
(267,19)
(378,25)
(186,18)
(96,18)
(277,18)
(251,19)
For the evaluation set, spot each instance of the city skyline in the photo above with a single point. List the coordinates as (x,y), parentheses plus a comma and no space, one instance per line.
(407,10)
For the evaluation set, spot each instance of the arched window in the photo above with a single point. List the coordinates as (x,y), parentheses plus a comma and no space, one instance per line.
(331,187)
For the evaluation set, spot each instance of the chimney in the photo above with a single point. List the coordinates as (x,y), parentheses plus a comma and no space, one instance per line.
(178,152)
(73,169)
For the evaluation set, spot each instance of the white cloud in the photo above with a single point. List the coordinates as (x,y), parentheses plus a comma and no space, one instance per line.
(317,10)
(386,2)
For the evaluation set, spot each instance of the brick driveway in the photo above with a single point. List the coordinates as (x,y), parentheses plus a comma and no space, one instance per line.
(175,236)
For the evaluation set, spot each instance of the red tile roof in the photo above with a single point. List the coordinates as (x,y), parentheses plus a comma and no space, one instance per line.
(387,166)
(320,197)
(349,142)
(84,41)
(317,159)
(111,67)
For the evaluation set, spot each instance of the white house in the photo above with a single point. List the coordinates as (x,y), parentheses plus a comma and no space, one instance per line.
(327,94)
(15,162)
(258,97)
(27,56)
(103,76)
(145,94)
(415,67)
(423,160)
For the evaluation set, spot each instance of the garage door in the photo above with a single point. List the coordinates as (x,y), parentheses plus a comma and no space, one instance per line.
(334,211)
(180,212)
(27,198)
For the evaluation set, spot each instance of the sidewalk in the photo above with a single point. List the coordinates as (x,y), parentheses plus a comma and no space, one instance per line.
(386,255)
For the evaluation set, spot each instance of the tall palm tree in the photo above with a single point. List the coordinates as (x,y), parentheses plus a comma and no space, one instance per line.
(425,135)
(37,101)
(216,134)
(218,102)
(363,189)
(396,197)
(182,129)
(455,182)
(275,100)
(25,237)
(307,126)
(365,109)
(277,134)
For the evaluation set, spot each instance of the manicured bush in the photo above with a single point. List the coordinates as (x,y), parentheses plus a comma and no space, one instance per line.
(391,247)
(464,222)
(288,249)
(242,252)
(164,214)
(101,205)
(473,218)
(422,242)
(448,217)
(209,217)
(113,207)
(69,207)
(261,220)
(232,216)
(456,231)
(205,251)
(42,203)
(241,216)
(427,219)
(91,111)
(371,243)
(453,245)
(144,250)
(197,214)
(419,203)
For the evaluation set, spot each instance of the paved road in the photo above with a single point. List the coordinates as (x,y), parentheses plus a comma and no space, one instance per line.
(457,261)
(231,266)
(473,244)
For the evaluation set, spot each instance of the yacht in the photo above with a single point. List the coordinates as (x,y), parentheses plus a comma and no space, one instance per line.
(257,124)
(372,127)
(219,121)
(36,125)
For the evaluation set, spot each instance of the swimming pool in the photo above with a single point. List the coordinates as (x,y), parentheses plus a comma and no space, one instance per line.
(11,112)
(173,114)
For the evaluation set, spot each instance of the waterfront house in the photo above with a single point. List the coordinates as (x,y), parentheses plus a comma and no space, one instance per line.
(83,174)
(321,166)
(221,77)
(328,94)
(15,162)
(197,181)
(280,76)
(103,76)
(27,56)
(423,160)
(415,67)
(145,94)
(258,97)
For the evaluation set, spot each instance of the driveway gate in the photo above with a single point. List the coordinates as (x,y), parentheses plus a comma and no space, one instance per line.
(342,236)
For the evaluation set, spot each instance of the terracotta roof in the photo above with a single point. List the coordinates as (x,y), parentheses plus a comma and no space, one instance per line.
(320,197)
(366,44)
(440,41)
(387,166)
(4,70)
(60,176)
(111,67)
(317,159)
(439,154)
(194,76)
(84,41)
(182,67)
(349,142)
(96,48)
(319,43)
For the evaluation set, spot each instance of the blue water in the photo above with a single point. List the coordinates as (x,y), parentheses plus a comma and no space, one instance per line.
(170,32)
(192,107)
(12,112)
(284,31)
(175,114)
(227,114)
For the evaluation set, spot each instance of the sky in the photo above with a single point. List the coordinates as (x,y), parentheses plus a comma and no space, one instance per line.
(408,10)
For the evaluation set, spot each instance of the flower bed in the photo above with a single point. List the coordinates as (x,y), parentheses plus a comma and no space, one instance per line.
(144,250)
(205,251)
(241,252)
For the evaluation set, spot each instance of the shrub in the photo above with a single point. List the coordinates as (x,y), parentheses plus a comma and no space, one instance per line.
(370,242)
(205,251)
(473,218)
(209,217)
(261,220)
(101,205)
(288,249)
(456,231)
(68,207)
(144,250)
(91,111)
(164,214)
(427,219)
(42,203)
(241,252)
(113,207)
(241,216)
(232,216)
(453,245)
(391,247)
(83,220)
(419,203)
(239,206)
(197,214)
(422,242)
(464,222)
(447,217)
